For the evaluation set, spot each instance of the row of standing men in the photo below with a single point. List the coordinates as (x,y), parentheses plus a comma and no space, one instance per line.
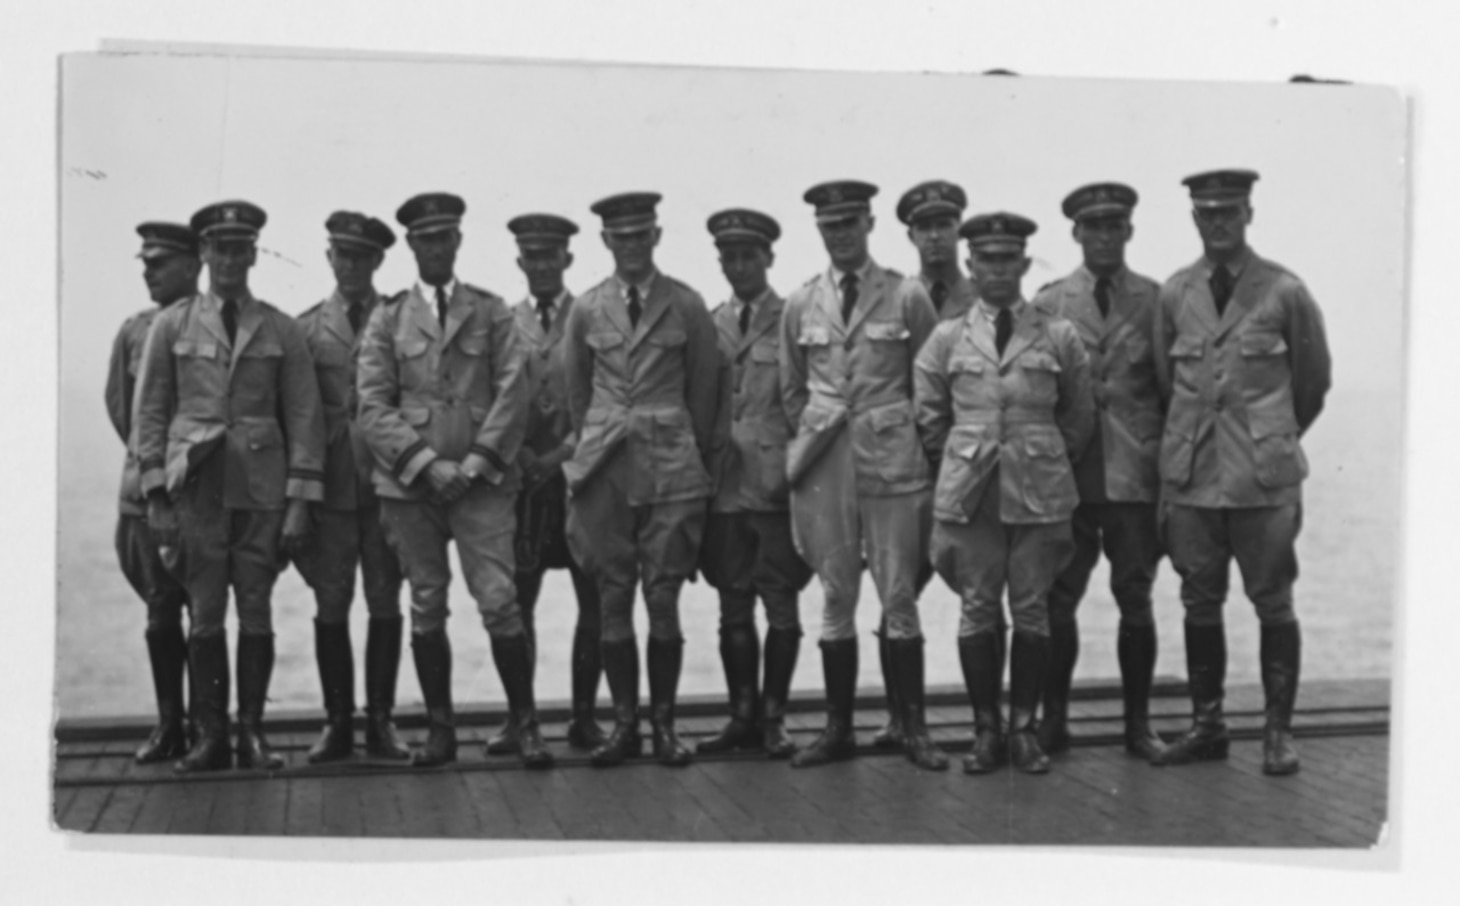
(905,425)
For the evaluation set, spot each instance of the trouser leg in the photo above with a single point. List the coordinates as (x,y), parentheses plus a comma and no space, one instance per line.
(1064,632)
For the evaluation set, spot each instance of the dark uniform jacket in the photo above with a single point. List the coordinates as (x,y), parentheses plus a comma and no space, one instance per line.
(752,471)
(121,391)
(458,392)
(1241,388)
(256,397)
(549,425)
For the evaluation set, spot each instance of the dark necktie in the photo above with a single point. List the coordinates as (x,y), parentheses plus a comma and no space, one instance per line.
(1003,329)
(1102,296)
(634,308)
(545,313)
(441,306)
(230,318)
(745,314)
(1221,284)
(939,292)
(355,313)
(849,297)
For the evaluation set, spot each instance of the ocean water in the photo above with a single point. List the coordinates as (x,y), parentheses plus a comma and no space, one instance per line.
(1346,595)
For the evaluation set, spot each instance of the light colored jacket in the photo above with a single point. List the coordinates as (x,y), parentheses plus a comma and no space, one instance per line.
(752,467)
(1028,412)
(458,392)
(256,397)
(856,376)
(1240,389)
(1120,464)
(652,387)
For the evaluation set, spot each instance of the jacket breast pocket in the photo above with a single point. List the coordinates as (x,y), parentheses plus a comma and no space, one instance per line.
(886,331)
(887,440)
(1187,355)
(1264,363)
(608,349)
(265,461)
(473,344)
(413,360)
(201,368)
(1049,482)
(815,339)
(1041,372)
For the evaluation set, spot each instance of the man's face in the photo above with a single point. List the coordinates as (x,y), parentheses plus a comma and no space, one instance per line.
(633,252)
(744,265)
(229,261)
(846,239)
(1223,230)
(1103,240)
(936,239)
(544,268)
(354,266)
(170,277)
(435,254)
(998,272)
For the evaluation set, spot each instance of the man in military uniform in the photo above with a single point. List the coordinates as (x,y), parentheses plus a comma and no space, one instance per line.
(747,548)
(542,507)
(858,476)
(443,403)
(347,522)
(1113,310)
(1243,363)
(642,369)
(170,267)
(1004,404)
(230,442)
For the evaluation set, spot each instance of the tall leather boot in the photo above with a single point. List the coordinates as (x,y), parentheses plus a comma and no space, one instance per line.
(513,656)
(908,671)
(583,731)
(837,742)
(740,655)
(621,666)
(1280,653)
(781,648)
(432,653)
(167,650)
(1135,648)
(1206,670)
(337,679)
(890,736)
(505,741)
(666,659)
(1064,650)
(382,663)
(983,675)
(255,665)
(1028,664)
(208,667)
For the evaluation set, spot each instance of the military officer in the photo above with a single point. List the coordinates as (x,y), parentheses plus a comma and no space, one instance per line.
(642,376)
(230,442)
(1113,310)
(1243,363)
(1004,405)
(170,267)
(347,522)
(747,547)
(543,256)
(859,479)
(443,391)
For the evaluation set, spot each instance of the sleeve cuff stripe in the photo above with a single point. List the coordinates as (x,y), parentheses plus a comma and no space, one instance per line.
(406,456)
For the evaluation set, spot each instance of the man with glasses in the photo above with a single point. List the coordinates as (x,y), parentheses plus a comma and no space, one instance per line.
(1243,364)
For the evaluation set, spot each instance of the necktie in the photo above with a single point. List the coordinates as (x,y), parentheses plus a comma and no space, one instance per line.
(1221,284)
(441,306)
(849,297)
(634,308)
(545,313)
(939,292)
(1102,296)
(745,314)
(230,318)
(355,313)
(1003,329)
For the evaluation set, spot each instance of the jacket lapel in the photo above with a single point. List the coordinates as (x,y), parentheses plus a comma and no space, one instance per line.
(654,308)
(560,321)
(422,312)
(1249,288)
(871,293)
(727,327)
(526,315)
(337,322)
(767,316)
(1198,298)
(210,316)
(980,333)
(1024,334)
(250,317)
(825,298)
(458,311)
(1128,297)
(1077,305)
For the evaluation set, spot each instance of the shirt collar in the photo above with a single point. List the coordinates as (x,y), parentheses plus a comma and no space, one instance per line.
(245,301)
(861,273)
(644,287)
(739,303)
(1235,268)
(1114,277)
(990,312)
(429,292)
(556,303)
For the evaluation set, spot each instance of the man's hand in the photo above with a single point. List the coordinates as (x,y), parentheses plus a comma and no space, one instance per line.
(447,479)
(162,521)
(546,466)
(297,527)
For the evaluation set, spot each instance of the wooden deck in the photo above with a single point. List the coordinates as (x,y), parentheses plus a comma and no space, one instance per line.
(1095,795)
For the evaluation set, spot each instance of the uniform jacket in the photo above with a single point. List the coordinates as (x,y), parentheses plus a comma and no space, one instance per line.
(752,471)
(549,425)
(652,387)
(1120,464)
(1028,412)
(121,390)
(1240,389)
(457,392)
(857,377)
(256,397)
(961,296)
(334,346)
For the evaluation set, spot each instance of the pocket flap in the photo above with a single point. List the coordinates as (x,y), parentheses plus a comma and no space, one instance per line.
(1039,361)
(889,417)
(817,419)
(886,330)
(263,349)
(199,348)
(472,343)
(666,338)
(966,365)
(765,353)
(814,336)
(332,356)
(1263,343)
(1188,347)
(605,340)
(1044,443)
(263,435)
(409,349)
